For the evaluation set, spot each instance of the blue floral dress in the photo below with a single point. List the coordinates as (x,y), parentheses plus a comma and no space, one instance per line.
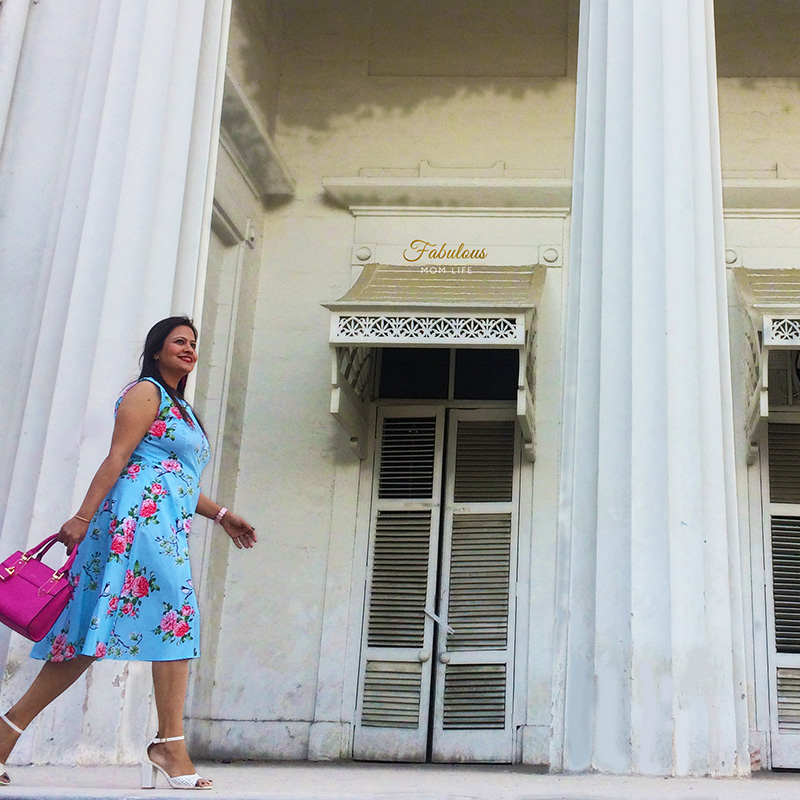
(134,597)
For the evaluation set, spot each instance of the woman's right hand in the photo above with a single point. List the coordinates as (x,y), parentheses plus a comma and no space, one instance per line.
(72,533)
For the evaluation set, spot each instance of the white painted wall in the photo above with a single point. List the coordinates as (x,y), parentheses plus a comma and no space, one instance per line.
(346,108)
(340,98)
(282,669)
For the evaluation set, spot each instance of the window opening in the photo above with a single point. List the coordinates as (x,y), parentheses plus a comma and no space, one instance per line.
(486,374)
(413,373)
(784,381)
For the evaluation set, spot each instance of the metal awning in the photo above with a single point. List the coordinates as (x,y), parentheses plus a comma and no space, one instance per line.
(769,291)
(449,305)
(446,286)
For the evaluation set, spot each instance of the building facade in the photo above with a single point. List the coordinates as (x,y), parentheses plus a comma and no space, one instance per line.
(499,349)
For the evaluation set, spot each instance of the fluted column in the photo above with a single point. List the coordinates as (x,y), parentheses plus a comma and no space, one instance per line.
(650,665)
(108,150)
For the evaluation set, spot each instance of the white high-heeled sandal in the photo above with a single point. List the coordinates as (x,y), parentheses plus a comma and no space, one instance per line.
(20,731)
(150,769)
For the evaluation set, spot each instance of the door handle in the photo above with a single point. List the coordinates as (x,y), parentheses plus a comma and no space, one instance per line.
(444,657)
(439,621)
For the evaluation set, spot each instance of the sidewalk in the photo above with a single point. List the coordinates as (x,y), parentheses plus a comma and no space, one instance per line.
(314,781)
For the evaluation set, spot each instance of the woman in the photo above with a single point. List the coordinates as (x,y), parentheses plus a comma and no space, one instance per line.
(134,597)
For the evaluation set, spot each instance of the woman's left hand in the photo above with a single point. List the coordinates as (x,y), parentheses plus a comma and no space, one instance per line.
(239,529)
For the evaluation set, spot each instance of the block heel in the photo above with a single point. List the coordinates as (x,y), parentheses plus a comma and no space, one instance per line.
(150,770)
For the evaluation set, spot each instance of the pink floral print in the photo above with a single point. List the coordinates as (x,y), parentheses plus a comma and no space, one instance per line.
(158,428)
(174,625)
(134,597)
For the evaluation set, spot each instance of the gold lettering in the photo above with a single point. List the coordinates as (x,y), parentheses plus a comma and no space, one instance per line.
(419,246)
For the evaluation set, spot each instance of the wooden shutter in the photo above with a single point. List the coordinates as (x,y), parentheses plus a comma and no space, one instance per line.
(395,683)
(407,457)
(784,463)
(392,693)
(472,705)
(788,701)
(474,697)
(786,582)
(783,569)
(400,564)
(480,563)
(484,461)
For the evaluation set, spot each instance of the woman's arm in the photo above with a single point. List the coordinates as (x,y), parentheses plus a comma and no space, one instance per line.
(135,415)
(238,528)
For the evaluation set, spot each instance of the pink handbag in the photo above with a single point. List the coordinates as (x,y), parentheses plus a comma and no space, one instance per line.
(32,595)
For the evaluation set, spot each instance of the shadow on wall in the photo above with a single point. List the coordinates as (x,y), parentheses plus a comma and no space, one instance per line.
(331,63)
(344,61)
(757,39)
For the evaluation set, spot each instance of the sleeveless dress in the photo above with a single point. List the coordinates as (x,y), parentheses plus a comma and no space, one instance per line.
(134,597)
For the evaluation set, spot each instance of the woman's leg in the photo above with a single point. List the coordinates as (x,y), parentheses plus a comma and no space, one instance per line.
(54,678)
(170,679)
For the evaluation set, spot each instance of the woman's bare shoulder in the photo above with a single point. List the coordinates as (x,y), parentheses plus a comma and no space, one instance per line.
(141,394)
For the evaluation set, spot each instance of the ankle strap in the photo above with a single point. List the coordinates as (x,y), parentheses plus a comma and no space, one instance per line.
(168,739)
(11,724)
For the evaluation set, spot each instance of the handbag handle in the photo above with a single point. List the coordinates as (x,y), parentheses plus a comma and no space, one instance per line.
(38,550)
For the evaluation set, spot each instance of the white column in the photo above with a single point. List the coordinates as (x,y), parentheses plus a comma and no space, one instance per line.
(13,18)
(104,184)
(649,663)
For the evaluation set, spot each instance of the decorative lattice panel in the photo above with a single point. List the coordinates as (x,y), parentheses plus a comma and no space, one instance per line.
(530,356)
(475,696)
(781,330)
(391,694)
(753,362)
(412,328)
(355,368)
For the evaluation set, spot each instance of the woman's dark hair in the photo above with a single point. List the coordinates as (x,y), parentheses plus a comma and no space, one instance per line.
(154,341)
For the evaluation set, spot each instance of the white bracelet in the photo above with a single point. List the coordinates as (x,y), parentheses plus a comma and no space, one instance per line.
(220,514)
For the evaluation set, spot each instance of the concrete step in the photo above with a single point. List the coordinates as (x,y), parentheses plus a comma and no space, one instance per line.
(314,781)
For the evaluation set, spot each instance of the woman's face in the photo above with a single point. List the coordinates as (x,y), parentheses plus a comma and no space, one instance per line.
(179,353)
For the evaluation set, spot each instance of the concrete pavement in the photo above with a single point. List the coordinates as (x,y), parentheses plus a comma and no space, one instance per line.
(356,781)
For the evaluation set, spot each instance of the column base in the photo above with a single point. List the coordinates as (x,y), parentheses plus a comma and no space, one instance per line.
(535,744)
(255,740)
(330,741)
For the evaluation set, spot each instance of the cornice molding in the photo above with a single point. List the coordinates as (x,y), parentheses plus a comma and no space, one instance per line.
(547,194)
(742,197)
(774,194)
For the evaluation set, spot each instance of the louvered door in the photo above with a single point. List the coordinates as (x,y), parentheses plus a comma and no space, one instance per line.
(783,570)
(474,669)
(395,679)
